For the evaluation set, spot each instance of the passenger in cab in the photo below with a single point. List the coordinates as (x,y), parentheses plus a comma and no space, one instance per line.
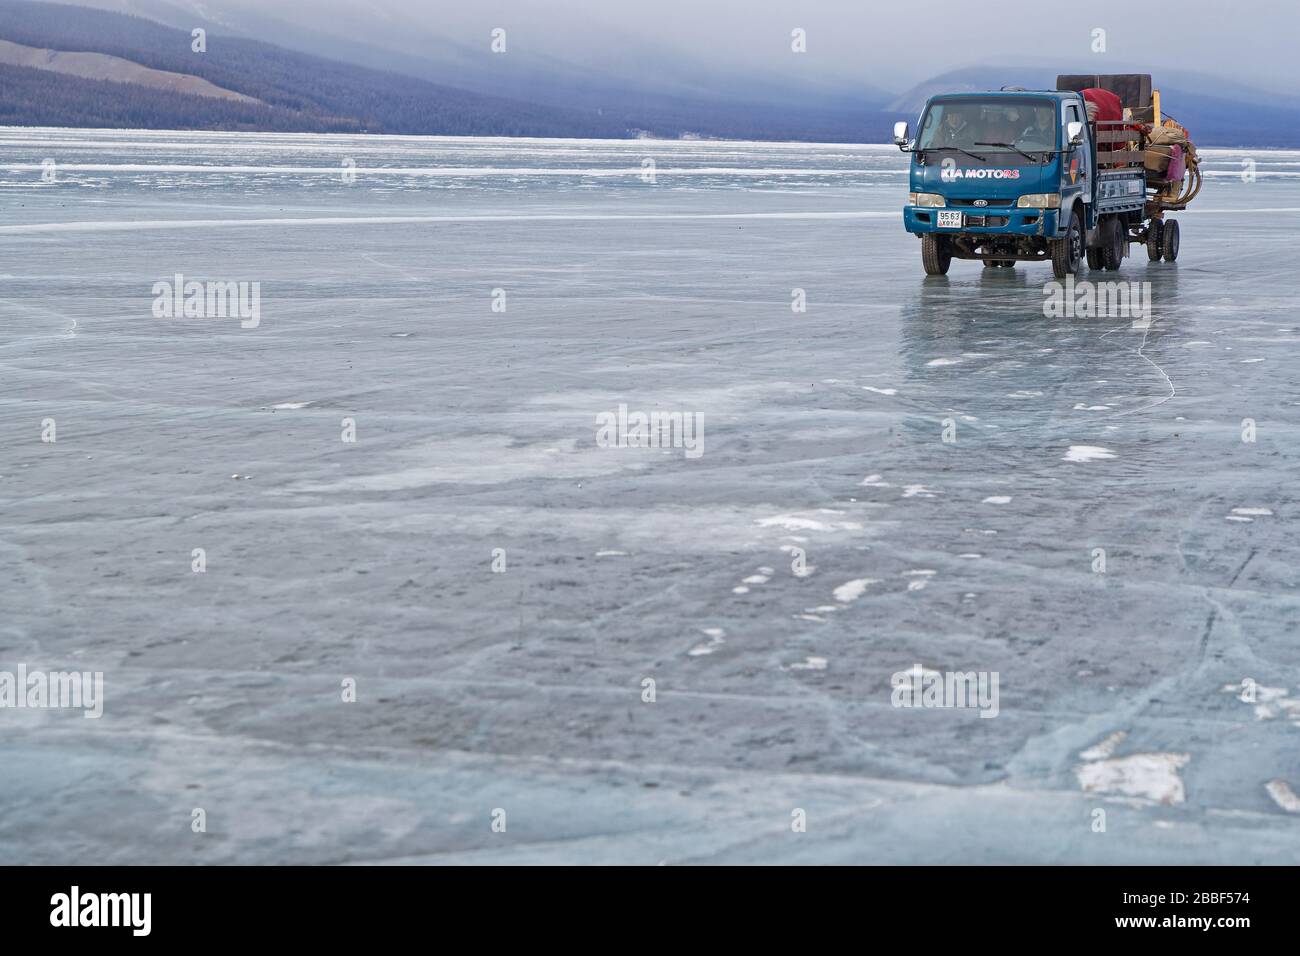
(1041,131)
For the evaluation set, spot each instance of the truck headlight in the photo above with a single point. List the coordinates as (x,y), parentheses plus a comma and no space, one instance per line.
(1040,201)
(925,199)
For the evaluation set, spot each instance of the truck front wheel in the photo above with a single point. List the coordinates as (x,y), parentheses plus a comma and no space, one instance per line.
(1067,250)
(935,255)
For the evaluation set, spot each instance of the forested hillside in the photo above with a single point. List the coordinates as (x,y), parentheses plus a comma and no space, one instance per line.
(301,92)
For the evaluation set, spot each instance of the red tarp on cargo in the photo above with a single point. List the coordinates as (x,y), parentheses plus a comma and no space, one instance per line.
(1109,106)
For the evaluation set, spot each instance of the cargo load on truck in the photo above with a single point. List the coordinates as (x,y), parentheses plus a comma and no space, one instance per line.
(1167,152)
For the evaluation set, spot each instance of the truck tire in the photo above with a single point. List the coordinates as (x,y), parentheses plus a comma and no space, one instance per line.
(1154,234)
(1094,259)
(1169,240)
(935,255)
(1067,250)
(1112,243)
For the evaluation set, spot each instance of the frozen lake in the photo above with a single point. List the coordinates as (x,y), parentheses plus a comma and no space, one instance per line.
(471,307)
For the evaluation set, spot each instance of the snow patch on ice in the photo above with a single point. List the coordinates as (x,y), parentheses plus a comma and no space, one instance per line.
(1283,795)
(1087,453)
(920,578)
(852,590)
(801,521)
(716,636)
(1104,748)
(1150,776)
(997,499)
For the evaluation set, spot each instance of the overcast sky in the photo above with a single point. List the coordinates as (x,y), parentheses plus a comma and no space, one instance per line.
(889,44)
(912,40)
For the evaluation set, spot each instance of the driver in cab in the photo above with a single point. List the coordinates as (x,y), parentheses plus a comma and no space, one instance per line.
(954,131)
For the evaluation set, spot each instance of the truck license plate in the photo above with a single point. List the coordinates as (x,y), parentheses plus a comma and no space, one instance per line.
(950,219)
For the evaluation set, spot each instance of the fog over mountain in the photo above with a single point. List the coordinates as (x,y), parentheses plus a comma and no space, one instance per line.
(726,68)
(890,46)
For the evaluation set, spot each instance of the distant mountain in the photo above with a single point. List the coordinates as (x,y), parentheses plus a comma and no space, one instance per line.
(1216,111)
(301,91)
(295,91)
(614,70)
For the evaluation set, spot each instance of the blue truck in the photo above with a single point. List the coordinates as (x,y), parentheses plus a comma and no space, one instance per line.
(1023,176)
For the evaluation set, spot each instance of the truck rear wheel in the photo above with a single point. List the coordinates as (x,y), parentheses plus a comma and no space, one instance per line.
(1112,244)
(935,255)
(1067,250)
(1169,240)
(1154,231)
(1094,258)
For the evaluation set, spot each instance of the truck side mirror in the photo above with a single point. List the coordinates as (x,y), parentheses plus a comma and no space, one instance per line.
(1074,131)
(900,134)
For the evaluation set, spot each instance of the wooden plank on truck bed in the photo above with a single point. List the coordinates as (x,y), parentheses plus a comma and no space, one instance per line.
(1117,135)
(1121,157)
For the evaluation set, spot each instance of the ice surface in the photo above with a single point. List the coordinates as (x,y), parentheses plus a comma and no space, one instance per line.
(475,430)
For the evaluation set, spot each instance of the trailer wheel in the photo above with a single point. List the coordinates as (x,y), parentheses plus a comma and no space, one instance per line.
(1169,240)
(1112,244)
(1094,258)
(1067,250)
(1154,234)
(935,255)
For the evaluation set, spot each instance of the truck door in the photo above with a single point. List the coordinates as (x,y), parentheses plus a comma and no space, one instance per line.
(1078,166)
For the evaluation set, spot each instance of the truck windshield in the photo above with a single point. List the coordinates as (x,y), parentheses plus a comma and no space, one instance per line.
(1023,124)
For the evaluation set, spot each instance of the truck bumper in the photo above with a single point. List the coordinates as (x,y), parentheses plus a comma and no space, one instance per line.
(990,221)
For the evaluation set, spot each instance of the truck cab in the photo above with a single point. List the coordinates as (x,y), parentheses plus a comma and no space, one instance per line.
(1013,176)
